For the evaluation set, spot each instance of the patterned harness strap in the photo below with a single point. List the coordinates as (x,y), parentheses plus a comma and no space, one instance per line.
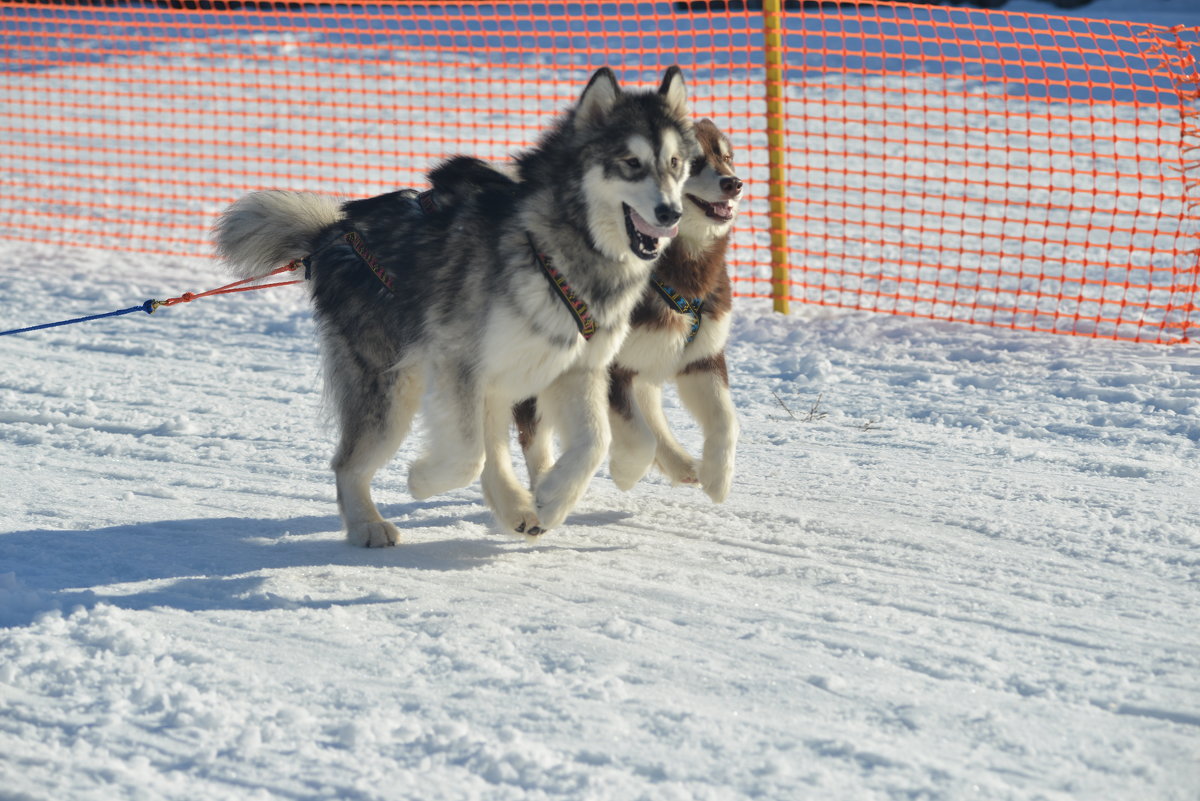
(355,241)
(428,204)
(681,304)
(577,308)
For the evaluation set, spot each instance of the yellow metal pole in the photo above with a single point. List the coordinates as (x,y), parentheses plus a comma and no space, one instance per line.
(773,30)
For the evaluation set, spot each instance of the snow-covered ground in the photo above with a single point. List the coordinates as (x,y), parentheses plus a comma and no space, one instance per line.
(958,562)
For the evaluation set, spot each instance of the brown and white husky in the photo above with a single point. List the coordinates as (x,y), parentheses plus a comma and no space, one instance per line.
(678,333)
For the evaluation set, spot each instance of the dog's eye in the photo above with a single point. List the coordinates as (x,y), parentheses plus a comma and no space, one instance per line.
(729,159)
(633,163)
(674,163)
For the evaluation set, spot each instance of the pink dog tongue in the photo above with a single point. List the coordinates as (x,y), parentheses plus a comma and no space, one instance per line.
(651,230)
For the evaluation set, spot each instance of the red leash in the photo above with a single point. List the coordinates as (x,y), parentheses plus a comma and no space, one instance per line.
(236,286)
(187,297)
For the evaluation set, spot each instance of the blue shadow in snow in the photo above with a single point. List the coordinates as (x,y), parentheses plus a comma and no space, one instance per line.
(203,563)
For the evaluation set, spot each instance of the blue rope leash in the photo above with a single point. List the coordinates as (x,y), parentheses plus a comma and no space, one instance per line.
(148,307)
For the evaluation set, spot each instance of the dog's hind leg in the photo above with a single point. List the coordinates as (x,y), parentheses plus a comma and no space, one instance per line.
(669,455)
(577,403)
(632,450)
(454,452)
(509,501)
(704,390)
(373,424)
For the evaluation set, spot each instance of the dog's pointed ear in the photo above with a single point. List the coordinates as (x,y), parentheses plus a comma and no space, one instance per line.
(598,97)
(675,92)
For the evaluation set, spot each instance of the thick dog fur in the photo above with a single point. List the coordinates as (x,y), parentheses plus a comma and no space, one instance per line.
(471,323)
(657,350)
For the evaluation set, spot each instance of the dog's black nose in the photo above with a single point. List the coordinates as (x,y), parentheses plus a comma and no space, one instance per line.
(666,215)
(732,187)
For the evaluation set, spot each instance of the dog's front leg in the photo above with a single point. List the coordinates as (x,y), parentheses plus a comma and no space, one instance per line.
(704,390)
(669,455)
(509,501)
(577,405)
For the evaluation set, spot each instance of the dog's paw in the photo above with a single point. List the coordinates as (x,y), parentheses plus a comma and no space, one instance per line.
(562,487)
(428,477)
(627,468)
(378,534)
(715,479)
(512,506)
(552,507)
(679,468)
(420,480)
(518,519)
(630,456)
(529,527)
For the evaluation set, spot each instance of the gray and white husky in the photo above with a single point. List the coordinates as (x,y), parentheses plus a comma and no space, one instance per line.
(516,288)
(679,330)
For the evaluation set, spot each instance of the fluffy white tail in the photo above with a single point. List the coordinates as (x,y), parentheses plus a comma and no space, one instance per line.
(265,230)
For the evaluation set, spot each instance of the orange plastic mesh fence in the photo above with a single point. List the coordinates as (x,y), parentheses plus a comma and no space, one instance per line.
(1026,171)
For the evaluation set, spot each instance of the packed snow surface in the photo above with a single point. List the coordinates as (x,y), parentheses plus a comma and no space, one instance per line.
(958,562)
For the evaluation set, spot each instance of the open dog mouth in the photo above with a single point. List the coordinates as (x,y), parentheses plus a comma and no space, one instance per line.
(721,212)
(644,237)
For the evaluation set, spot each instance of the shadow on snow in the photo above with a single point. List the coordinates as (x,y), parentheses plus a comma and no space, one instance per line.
(205,564)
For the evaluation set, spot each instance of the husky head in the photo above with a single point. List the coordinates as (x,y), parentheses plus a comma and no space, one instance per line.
(618,162)
(713,189)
